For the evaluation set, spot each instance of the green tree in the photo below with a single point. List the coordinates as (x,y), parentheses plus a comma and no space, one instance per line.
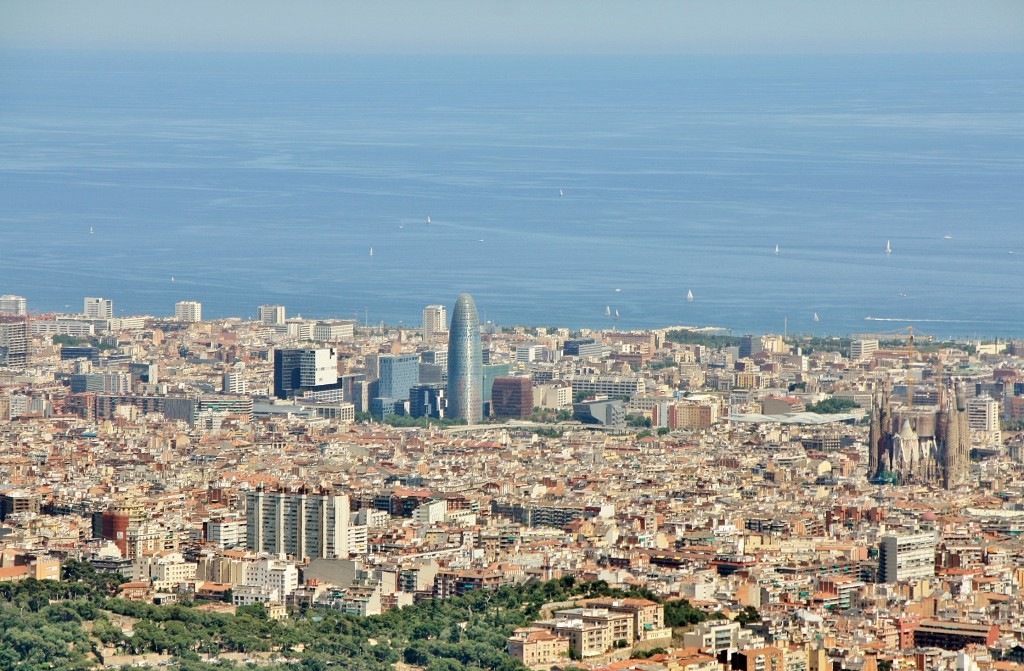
(832,405)
(748,615)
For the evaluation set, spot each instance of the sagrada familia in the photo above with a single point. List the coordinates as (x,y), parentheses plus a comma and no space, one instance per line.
(927,445)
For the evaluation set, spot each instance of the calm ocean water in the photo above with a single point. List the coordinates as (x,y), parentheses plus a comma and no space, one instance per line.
(268,179)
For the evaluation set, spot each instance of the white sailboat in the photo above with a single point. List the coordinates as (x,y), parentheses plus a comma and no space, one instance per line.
(689,295)
(616,313)
(607,311)
(90,230)
(888,247)
(428,220)
(816,317)
(371,251)
(172,278)
(561,194)
(776,250)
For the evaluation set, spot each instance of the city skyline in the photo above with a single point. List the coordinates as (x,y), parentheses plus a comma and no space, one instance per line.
(588,466)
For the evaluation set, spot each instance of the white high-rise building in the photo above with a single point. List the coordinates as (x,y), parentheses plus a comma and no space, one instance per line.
(983,418)
(15,306)
(98,308)
(188,311)
(435,322)
(299,369)
(272,315)
(14,341)
(297,523)
(235,382)
(862,349)
(274,574)
(983,414)
(906,557)
(226,533)
(301,329)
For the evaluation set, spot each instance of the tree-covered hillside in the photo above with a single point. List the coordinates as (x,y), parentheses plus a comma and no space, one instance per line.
(76,625)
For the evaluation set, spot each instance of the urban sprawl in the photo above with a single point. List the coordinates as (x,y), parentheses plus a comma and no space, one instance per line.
(820,504)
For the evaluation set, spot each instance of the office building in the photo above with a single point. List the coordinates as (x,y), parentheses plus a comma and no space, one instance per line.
(300,329)
(983,414)
(434,367)
(18,501)
(492,371)
(383,407)
(435,357)
(609,385)
(14,306)
(234,382)
(71,352)
(13,341)
(98,308)
(608,413)
(113,383)
(272,315)
(427,400)
(528,353)
(512,397)
(465,367)
(143,372)
(398,373)
(585,348)
(334,331)
(906,557)
(862,348)
(188,311)
(435,322)
(301,370)
(299,524)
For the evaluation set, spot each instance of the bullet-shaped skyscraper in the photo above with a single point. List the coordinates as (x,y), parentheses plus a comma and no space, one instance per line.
(465,365)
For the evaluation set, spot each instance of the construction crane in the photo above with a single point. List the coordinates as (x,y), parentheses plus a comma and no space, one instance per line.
(910,337)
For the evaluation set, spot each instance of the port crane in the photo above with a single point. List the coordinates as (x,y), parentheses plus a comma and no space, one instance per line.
(909,336)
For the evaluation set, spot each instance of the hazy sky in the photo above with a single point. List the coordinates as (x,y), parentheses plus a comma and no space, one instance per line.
(518,26)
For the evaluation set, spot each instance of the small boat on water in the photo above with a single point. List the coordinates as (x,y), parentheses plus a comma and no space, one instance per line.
(689,295)
(888,247)
(776,249)
(371,251)
(607,311)
(816,317)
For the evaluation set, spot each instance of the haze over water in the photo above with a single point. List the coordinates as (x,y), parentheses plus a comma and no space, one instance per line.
(267,179)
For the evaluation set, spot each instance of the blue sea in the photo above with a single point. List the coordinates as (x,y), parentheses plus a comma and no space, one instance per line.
(558,189)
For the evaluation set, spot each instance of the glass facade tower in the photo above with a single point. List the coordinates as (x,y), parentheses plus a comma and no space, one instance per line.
(465,365)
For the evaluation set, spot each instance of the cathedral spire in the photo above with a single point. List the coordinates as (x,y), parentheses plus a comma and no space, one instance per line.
(874,439)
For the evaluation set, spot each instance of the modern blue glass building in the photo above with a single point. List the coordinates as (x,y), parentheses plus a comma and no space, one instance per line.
(398,373)
(465,366)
